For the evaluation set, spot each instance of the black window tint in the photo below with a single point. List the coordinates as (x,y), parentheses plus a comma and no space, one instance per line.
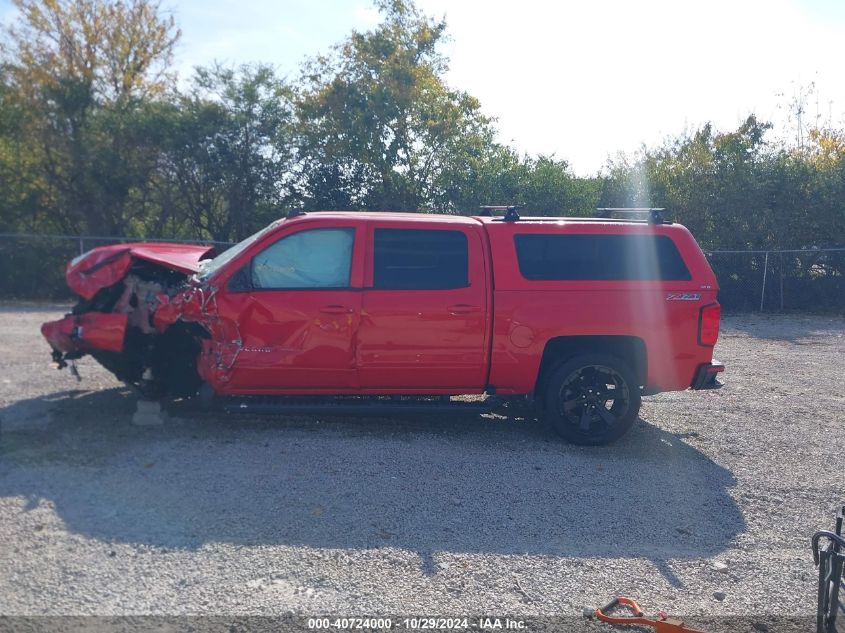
(599,257)
(419,259)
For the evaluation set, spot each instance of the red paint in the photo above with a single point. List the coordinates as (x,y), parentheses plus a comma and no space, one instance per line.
(362,340)
(90,331)
(427,339)
(551,309)
(104,266)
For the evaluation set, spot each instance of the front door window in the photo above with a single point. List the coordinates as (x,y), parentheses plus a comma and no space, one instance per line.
(316,258)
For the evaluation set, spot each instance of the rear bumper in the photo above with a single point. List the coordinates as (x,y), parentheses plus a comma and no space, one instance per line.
(705,376)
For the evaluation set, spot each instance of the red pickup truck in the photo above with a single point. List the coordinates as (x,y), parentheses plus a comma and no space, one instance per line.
(581,316)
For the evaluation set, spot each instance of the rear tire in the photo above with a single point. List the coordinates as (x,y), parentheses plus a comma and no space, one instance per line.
(591,399)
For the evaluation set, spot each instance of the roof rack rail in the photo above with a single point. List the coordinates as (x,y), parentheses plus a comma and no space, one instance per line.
(294,213)
(511,213)
(655,214)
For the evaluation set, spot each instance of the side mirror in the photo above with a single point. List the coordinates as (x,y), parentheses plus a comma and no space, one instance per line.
(241,281)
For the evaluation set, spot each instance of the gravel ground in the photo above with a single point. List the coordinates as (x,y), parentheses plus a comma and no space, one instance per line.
(711,493)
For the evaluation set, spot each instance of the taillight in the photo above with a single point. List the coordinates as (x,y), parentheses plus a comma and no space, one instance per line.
(708,324)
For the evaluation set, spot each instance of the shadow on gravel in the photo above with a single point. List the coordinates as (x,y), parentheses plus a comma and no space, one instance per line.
(454,483)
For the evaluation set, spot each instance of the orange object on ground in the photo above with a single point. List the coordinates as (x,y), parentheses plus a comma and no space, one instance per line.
(663,623)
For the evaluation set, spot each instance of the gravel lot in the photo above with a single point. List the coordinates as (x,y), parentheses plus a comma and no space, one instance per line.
(714,492)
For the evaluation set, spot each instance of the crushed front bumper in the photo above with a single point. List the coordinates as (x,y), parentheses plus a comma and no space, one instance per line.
(705,376)
(84,332)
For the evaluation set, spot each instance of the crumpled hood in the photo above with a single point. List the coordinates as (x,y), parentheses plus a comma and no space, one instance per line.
(106,265)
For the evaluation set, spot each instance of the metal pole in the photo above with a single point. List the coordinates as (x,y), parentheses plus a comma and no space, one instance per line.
(780,266)
(765,272)
(81,245)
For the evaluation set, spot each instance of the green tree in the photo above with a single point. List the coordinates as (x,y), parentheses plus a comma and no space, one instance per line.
(738,190)
(541,185)
(379,127)
(78,73)
(227,161)
(549,188)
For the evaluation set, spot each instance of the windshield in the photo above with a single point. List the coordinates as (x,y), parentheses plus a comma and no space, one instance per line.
(210,266)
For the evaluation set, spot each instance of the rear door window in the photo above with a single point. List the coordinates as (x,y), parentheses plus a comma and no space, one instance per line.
(420,259)
(579,257)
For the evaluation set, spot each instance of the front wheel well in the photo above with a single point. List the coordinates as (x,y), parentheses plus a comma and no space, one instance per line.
(631,349)
(173,359)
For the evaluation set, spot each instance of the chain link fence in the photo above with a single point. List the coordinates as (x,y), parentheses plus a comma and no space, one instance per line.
(32,267)
(809,280)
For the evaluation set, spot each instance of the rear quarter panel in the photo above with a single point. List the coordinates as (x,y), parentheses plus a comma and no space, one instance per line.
(527,313)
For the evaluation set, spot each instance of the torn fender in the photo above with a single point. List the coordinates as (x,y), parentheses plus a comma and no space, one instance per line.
(84,332)
(191,305)
(105,266)
(198,304)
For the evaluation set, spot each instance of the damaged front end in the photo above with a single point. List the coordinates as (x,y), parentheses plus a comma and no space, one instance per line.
(130,316)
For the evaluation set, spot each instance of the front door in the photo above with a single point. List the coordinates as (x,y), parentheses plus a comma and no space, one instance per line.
(298,317)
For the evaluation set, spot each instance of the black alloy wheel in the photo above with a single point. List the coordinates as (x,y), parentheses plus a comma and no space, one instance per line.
(592,399)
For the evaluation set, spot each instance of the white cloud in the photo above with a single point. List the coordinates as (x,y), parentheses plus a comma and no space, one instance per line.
(281,34)
(365,16)
(579,79)
(586,79)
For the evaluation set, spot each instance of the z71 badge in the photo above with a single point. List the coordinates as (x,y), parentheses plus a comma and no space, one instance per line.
(683,296)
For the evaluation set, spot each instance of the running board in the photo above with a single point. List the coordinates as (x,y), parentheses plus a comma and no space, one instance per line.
(364,406)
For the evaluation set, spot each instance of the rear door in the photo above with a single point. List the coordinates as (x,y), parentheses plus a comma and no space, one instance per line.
(424,309)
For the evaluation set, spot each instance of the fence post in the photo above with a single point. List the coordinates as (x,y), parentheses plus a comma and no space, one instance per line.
(780,267)
(81,245)
(765,272)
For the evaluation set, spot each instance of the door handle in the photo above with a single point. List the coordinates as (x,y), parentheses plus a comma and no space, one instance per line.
(336,309)
(463,308)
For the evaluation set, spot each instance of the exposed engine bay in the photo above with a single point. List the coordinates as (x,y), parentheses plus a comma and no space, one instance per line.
(120,320)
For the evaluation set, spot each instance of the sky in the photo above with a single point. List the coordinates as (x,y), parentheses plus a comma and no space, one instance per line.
(578,80)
